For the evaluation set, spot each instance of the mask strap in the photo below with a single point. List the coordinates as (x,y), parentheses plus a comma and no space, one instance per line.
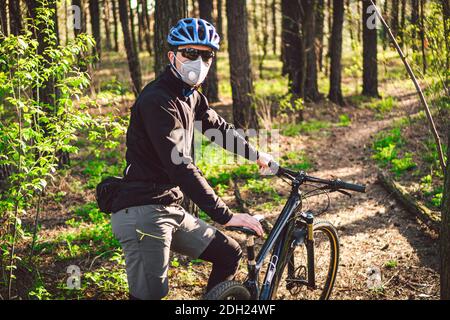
(172,64)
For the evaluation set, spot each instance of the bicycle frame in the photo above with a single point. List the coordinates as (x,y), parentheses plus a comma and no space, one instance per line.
(280,240)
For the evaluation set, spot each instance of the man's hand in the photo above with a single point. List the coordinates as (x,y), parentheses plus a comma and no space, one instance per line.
(246,220)
(263,162)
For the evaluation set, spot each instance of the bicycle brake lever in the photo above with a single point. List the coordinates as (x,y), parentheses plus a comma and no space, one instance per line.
(344,193)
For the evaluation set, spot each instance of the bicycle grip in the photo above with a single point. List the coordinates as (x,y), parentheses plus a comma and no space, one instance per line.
(351,186)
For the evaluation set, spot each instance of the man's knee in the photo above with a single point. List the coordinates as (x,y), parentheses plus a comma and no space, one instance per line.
(223,250)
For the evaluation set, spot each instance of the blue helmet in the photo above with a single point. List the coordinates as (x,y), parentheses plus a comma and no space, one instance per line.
(194,31)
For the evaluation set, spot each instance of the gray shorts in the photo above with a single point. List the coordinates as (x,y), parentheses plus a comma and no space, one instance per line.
(147,234)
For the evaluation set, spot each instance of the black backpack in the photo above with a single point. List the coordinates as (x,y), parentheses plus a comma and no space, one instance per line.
(106,192)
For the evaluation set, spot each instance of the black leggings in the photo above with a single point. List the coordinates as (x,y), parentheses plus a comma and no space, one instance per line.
(225,254)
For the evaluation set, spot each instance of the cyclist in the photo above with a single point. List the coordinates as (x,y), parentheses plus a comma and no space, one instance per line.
(148,219)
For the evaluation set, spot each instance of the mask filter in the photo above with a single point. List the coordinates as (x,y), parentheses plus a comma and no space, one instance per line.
(192,72)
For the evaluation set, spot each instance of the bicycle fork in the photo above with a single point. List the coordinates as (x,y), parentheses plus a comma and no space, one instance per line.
(309,219)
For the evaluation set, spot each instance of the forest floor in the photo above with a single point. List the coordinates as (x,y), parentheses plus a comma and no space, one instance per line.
(375,231)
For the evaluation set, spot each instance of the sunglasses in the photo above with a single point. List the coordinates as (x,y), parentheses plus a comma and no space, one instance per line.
(193,54)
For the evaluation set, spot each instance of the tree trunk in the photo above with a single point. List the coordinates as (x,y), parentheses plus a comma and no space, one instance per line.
(415,22)
(422,36)
(284,35)
(384,35)
(394,17)
(293,46)
(220,21)
(116,25)
(330,22)
(320,22)
(241,79)
(94,12)
(401,31)
(446,17)
(210,86)
(106,22)
(133,59)
(445,229)
(274,27)
(370,63)
(141,37)
(335,94)
(15,17)
(146,20)
(167,13)
(3,18)
(54,6)
(133,28)
(294,49)
(309,28)
(265,36)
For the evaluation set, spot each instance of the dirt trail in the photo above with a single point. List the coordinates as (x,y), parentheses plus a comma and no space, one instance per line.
(373,228)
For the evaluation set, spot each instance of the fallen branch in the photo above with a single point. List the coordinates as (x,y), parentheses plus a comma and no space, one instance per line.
(429,217)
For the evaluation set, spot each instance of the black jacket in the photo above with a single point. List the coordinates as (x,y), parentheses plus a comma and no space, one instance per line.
(161,131)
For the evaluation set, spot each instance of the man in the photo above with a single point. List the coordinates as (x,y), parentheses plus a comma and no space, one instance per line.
(148,219)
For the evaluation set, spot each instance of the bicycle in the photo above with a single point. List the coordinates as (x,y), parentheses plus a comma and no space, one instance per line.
(295,240)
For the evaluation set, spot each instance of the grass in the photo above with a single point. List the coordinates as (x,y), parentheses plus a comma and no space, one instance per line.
(292,130)
(387,152)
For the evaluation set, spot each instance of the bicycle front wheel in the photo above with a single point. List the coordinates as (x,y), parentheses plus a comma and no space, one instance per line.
(228,290)
(294,282)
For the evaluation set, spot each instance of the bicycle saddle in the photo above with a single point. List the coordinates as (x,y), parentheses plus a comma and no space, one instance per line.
(249,231)
(245,230)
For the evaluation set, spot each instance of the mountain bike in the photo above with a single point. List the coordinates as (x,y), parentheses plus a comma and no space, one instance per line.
(304,253)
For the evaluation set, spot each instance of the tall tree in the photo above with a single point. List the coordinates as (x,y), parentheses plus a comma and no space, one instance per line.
(320,25)
(335,93)
(116,25)
(445,229)
(446,18)
(3,17)
(309,31)
(264,38)
(395,16)
(241,79)
(422,36)
(167,13)
(293,46)
(274,26)
(414,22)
(146,26)
(106,23)
(370,63)
(133,26)
(401,31)
(132,57)
(94,12)
(15,17)
(140,15)
(294,55)
(211,84)
(220,19)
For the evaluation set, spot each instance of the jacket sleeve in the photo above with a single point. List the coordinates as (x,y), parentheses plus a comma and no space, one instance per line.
(166,133)
(231,139)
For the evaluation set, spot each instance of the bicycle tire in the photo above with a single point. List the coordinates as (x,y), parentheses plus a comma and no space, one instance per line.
(228,290)
(330,232)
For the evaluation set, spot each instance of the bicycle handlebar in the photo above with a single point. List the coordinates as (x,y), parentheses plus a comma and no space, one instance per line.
(335,184)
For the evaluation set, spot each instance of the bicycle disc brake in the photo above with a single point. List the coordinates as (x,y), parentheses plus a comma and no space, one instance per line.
(298,280)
